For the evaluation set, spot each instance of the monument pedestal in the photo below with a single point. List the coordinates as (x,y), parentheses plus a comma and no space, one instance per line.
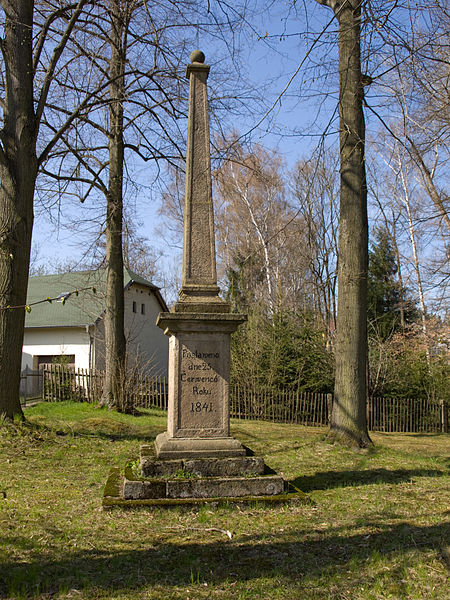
(196,458)
(176,447)
(210,478)
(198,424)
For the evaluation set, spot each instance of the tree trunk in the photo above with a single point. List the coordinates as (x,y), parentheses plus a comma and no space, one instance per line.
(18,169)
(398,262)
(412,237)
(115,344)
(428,182)
(348,419)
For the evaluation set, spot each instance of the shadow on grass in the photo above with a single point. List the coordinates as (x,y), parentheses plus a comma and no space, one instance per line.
(302,554)
(332,479)
(122,434)
(148,436)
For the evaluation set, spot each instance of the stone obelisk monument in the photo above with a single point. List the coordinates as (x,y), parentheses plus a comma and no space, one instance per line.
(200,323)
(197,442)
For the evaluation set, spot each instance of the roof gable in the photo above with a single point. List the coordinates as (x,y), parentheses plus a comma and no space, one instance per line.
(79,309)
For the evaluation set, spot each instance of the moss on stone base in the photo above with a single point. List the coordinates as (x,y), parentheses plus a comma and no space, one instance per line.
(112,497)
(113,484)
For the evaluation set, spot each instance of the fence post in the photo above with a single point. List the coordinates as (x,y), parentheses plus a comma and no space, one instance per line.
(329,407)
(444,417)
(43,384)
(53,382)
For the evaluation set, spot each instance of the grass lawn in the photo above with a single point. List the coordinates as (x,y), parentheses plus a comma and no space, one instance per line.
(378,529)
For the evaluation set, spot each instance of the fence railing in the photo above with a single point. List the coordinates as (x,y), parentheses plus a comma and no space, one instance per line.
(284,405)
(407,415)
(30,383)
(312,408)
(60,382)
(151,392)
(250,402)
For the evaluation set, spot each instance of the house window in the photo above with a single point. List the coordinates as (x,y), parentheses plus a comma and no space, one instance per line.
(142,309)
(134,306)
(49,359)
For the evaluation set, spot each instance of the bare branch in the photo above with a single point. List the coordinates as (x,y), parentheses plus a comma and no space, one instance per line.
(62,12)
(54,60)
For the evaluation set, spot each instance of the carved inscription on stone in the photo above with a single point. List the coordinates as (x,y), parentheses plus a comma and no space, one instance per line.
(201,387)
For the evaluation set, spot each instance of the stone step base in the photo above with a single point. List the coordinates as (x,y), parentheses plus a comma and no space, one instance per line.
(112,498)
(199,467)
(170,448)
(138,488)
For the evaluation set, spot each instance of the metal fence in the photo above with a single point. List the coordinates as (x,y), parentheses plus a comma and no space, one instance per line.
(252,402)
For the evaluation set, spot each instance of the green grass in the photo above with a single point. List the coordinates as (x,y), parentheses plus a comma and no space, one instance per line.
(377,530)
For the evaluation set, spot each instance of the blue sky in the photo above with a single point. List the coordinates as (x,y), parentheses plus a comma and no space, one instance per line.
(269,57)
(280,43)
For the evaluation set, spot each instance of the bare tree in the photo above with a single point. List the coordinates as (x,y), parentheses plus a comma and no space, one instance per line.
(258,232)
(391,215)
(397,165)
(115,343)
(30,56)
(132,44)
(348,421)
(416,83)
(316,193)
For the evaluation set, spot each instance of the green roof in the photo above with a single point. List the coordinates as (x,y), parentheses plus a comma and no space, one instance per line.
(78,310)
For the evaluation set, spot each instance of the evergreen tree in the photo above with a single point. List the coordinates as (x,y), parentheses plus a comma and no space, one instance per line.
(385,296)
(286,350)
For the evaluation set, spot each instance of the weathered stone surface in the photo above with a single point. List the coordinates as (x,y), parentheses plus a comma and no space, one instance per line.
(199,278)
(203,361)
(138,490)
(232,487)
(225,467)
(197,485)
(200,323)
(152,467)
(147,450)
(202,467)
(173,447)
(113,497)
(173,323)
(199,367)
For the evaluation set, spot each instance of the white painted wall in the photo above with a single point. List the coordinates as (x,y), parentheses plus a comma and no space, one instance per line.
(40,341)
(143,336)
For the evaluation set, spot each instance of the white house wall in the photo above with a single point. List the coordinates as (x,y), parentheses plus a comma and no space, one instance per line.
(41,341)
(143,337)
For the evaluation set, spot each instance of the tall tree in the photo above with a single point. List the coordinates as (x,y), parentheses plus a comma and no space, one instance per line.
(257,231)
(113,45)
(26,81)
(417,81)
(115,343)
(315,189)
(348,421)
(132,44)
